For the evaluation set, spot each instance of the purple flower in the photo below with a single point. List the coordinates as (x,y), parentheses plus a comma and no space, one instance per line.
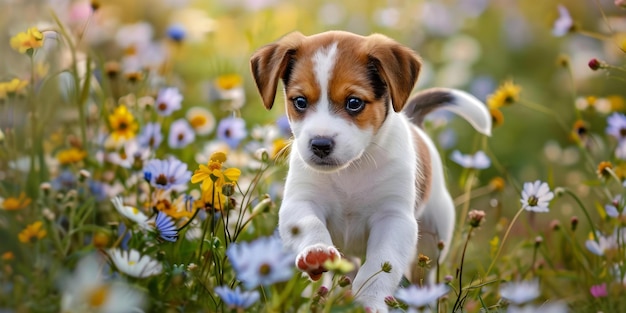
(478,161)
(168,101)
(261,262)
(283,124)
(599,291)
(231,130)
(181,134)
(616,126)
(236,299)
(563,24)
(150,136)
(167,174)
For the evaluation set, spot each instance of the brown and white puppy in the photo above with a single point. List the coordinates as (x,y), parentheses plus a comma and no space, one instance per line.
(362,176)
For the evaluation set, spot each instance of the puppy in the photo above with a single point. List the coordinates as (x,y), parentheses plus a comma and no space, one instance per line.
(363,176)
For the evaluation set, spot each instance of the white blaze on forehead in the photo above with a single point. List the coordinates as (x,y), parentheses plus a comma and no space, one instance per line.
(323,63)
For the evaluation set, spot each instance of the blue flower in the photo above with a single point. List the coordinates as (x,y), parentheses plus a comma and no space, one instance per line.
(150,136)
(65,181)
(231,130)
(168,101)
(236,299)
(616,126)
(261,262)
(167,174)
(176,32)
(478,161)
(181,134)
(165,227)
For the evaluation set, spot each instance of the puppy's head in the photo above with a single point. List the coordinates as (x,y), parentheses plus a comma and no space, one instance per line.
(339,89)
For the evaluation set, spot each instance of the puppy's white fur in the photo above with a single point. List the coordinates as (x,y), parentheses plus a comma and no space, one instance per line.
(379,177)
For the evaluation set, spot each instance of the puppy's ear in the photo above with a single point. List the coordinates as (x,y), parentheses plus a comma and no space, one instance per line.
(398,65)
(268,65)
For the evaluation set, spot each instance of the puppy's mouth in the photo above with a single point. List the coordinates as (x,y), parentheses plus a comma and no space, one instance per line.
(324,164)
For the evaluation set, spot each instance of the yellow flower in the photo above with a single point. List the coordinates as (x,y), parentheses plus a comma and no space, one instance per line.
(497,183)
(497,118)
(15,86)
(32,233)
(213,179)
(26,42)
(176,209)
(7,256)
(71,156)
(228,81)
(12,203)
(278,147)
(506,94)
(604,169)
(123,124)
(493,246)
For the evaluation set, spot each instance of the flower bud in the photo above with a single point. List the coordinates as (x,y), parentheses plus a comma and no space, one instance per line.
(476,217)
(386,267)
(574,222)
(595,64)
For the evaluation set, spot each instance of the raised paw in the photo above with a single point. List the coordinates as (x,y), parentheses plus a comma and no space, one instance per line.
(311,260)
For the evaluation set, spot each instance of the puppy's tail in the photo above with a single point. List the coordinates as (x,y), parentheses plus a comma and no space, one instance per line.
(454,100)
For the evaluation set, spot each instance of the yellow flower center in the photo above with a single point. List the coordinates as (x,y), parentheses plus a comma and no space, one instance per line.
(198,121)
(227,82)
(98,296)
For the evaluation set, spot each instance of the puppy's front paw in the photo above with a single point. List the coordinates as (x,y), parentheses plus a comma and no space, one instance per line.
(312,259)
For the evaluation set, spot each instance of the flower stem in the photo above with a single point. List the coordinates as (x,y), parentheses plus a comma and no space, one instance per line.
(506,235)
(587,216)
(460,273)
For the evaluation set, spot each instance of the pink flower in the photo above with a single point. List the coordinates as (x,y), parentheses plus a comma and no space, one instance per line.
(599,291)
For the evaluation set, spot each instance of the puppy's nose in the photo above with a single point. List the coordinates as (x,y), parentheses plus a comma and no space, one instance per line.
(322,146)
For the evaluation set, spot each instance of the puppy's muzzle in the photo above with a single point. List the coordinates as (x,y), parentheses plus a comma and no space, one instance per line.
(322,146)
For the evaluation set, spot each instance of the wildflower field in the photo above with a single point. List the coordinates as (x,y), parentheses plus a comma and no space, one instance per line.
(140,172)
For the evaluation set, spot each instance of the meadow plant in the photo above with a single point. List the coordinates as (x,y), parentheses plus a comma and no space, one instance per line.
(139,172)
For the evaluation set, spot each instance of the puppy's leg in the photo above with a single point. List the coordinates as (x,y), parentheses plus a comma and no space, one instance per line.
(436,224)
(302,227)
(392,233)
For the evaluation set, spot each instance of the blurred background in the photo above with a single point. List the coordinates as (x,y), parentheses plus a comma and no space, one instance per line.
(203,48)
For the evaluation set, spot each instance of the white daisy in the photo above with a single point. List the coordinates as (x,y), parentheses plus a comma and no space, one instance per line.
(201,119)
(130,212)
(419,297)
(86,290)
(132,263)
(553,307)
(520,292)
(536,196)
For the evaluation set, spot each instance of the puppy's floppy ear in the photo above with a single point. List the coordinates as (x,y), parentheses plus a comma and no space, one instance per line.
(398,65)
(268,65)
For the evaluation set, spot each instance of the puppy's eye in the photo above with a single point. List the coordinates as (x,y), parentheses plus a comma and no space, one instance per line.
(354,105)
(300,103)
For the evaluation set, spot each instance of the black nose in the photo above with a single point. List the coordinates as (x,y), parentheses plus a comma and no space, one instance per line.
(322,146)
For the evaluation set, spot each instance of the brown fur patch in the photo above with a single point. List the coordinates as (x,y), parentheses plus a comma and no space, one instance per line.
(423,181)
(350,77)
